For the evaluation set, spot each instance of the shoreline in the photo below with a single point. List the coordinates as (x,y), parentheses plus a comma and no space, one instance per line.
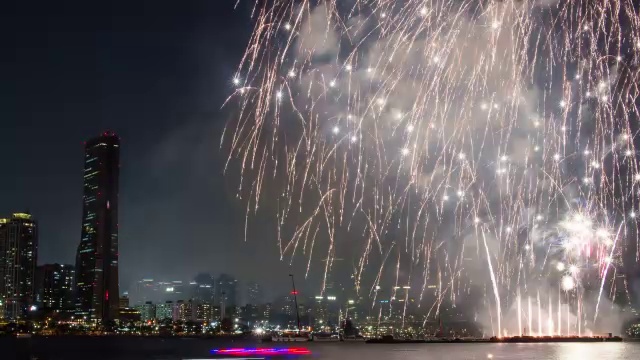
(505,340)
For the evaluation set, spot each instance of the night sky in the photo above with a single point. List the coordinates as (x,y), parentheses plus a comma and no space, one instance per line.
(157,73)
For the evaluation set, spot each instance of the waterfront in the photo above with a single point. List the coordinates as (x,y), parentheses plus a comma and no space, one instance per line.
(129,348)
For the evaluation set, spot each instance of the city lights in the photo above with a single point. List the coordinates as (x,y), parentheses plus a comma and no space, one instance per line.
(429,171)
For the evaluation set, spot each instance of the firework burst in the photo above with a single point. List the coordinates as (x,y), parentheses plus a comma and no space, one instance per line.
(458,143)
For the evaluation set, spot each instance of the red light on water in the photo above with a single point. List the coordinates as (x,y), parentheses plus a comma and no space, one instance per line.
(261,351)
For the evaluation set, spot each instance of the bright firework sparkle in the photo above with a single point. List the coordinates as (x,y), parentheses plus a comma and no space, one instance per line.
(445,139)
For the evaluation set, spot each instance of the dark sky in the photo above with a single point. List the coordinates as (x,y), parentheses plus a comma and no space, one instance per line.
(156,72)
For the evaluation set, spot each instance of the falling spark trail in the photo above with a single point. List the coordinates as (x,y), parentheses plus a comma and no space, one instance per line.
(372,127)
(530,318)
(606,270)
(519,300)
(550,317)
(539,316)
(559,330)
(568,321)
(495,285)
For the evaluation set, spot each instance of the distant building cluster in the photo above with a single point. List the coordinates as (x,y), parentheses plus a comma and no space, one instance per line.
(87,289)
(202,299)
(205,302)
(209,298)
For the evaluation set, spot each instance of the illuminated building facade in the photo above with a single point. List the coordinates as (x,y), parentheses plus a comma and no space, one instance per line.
(203,312)
(18,258)
(255,295)
(164,311)
(326,311)
(183,311)
(97,295)
(158,291)
(147,311)
(286,306)
(265,310)
(55,287)
(202,288)
(129,315)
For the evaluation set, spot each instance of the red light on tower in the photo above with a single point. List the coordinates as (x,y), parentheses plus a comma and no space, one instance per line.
(294,293)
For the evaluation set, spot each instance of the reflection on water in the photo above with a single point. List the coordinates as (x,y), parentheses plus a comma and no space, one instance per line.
(125,348)
(571,351)
(597,351)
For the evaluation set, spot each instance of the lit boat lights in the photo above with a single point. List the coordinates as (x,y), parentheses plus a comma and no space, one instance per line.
(261,351)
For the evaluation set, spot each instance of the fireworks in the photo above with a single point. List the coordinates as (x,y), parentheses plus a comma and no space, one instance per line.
(444,139)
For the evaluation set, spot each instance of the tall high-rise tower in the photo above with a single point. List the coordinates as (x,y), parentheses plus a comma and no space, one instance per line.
(18,258)
(97,294)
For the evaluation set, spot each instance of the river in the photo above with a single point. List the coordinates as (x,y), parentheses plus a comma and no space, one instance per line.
(130,348)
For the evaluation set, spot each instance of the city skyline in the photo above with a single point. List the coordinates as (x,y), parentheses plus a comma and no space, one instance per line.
(83,289)
(160,86)
(177,210)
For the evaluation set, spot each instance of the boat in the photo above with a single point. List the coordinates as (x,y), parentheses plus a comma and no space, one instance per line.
(23,335)
(279,338)
(298,335)
(290,336)
(325,337)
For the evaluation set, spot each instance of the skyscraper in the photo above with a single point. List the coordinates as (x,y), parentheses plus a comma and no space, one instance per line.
(202,288)
(147,290)
(97,294)
(18,258)
(255,294)
(55,287)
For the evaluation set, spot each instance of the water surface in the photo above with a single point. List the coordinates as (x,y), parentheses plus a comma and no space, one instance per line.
(130,348)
